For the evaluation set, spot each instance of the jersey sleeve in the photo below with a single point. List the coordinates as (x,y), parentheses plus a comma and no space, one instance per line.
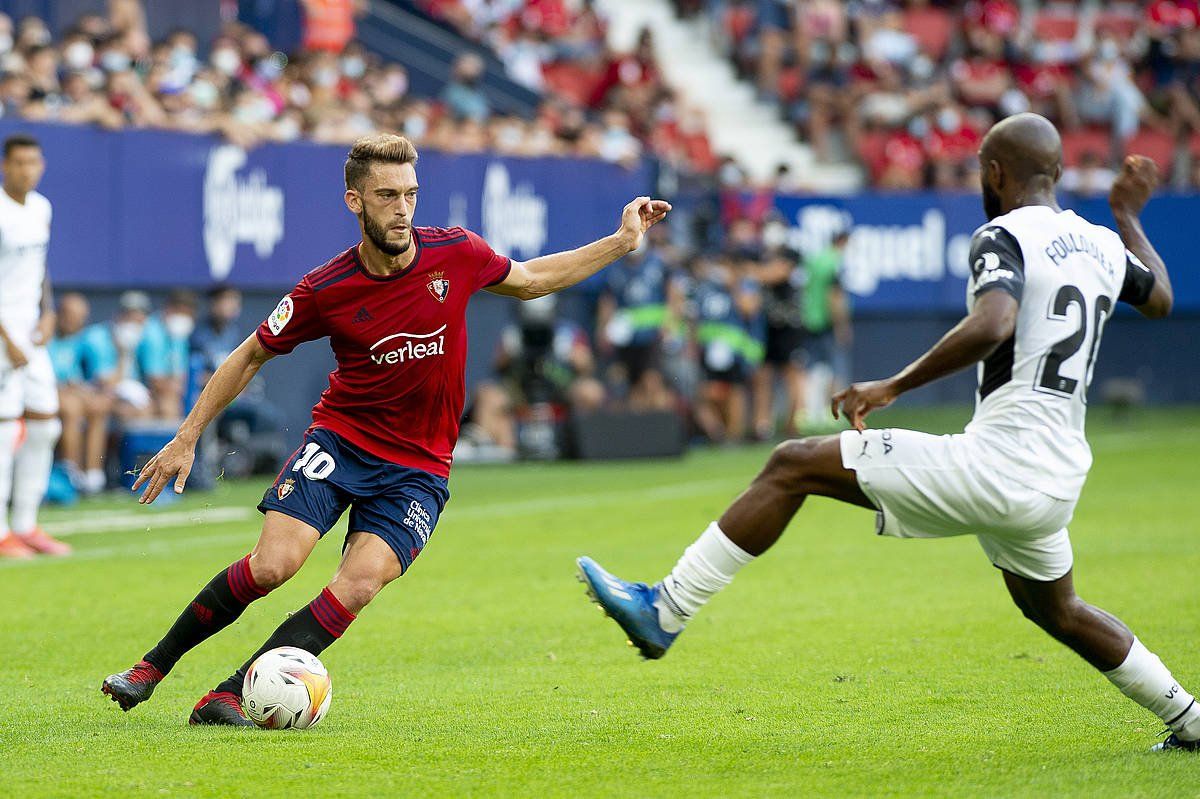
(1138,283)
(295,320)
(997,263)
(490,267)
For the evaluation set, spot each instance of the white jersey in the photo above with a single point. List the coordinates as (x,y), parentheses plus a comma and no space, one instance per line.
(1067,274)
(24,239)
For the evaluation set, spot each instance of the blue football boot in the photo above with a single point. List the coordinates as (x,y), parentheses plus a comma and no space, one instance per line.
(1174,743)
(631,605)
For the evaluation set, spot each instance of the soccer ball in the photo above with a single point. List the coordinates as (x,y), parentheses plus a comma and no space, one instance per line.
(286,688)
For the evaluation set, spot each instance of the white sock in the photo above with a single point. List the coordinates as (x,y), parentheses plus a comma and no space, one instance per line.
(1143,678)
(32,467)
(94,480)
(705,568)
(10,429)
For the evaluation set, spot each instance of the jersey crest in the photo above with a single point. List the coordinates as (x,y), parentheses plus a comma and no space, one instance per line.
(438,286)
(285,488)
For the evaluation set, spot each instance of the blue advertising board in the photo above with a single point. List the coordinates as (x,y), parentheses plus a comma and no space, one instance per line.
(160,209)
(908,252)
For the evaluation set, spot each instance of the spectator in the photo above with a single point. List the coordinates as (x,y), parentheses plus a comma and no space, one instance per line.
(825,314)
(782,353)
(165,354)
(82,365)
(248,430)
(130,356)
(727,304)
(463,96)
(639,305)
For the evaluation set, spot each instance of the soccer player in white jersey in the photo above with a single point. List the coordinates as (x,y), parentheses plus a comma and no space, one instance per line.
(29,425)
(1043,283)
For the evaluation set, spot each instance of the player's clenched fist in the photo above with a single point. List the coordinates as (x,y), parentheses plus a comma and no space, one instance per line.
(1136,182)
(639,216)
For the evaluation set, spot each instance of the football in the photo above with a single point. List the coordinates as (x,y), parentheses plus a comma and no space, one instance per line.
(287,688)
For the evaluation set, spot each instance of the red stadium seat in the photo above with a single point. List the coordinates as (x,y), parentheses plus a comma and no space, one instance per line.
(1077,142)
(1154,144)
(932,28)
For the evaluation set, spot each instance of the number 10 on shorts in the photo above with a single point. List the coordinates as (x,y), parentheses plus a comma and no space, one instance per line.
(314,463)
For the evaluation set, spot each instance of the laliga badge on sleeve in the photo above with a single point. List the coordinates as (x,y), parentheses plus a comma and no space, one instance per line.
(282,314)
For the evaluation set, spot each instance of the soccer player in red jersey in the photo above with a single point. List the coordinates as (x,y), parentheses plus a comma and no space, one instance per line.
(394,309)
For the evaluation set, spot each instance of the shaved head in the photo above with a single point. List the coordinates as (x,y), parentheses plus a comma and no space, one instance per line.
(1020,160)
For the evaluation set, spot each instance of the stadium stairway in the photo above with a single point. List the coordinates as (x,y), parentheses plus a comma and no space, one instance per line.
(738,122)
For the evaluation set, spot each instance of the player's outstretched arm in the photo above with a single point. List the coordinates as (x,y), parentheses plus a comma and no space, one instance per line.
(175,459)
(547,274)
(991,322)
(1129,194)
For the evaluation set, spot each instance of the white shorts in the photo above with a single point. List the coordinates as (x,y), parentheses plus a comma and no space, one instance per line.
(929,486)
(31,388)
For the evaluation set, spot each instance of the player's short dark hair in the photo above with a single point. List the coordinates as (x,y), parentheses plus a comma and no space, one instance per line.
(378,148)
(19,140)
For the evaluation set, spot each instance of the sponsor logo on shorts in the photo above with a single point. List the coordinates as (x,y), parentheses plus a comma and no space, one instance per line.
(285,488)
(419,520)
(411,347)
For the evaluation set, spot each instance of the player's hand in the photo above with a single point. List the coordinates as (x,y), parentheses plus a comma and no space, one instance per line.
(860,399)
(16,356)
(172,461)
(638,217)
(1136,182)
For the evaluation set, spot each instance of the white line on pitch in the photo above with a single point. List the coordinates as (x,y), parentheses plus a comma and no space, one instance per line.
(109,521)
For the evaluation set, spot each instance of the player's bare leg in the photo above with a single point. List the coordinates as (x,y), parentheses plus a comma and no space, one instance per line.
(368,564)
(1104,641)
(283,546)
(653,616)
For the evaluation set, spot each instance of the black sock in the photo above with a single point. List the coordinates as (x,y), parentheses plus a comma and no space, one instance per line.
(312,628)
(216,607)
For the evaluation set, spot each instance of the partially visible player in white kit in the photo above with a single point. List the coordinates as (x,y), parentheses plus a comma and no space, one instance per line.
(29,424)
(1043,283)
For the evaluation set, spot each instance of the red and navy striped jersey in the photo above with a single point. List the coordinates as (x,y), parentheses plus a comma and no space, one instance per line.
(400,342)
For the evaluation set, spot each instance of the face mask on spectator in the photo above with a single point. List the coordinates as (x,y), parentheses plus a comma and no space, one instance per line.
(1109,51)
(288,129)
(183,58)
(325,77)
(948,120)
(919,127)
(353,67)
(415,126)
(78,55)
(226,60)
(127,334)
(204,94)
(6,42)
(179,325)
(260,110)
(268,68)
(115,61)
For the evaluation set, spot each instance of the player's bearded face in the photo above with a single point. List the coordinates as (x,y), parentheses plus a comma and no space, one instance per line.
(383,234)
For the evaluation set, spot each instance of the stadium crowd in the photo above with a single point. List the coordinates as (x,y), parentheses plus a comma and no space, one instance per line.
(908,88)
(141,369)
(107,71)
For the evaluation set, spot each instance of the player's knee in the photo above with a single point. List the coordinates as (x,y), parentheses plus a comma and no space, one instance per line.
(272,572)
(791,462)
(356,593)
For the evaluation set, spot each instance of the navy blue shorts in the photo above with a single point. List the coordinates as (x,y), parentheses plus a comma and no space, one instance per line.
(327,474)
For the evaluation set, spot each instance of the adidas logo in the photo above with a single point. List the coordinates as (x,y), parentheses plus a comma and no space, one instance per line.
(363,315)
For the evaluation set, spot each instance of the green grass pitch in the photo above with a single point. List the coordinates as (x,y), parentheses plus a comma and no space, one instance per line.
(838,665)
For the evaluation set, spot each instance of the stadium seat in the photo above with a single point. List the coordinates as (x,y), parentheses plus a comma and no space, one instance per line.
(1154,144)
